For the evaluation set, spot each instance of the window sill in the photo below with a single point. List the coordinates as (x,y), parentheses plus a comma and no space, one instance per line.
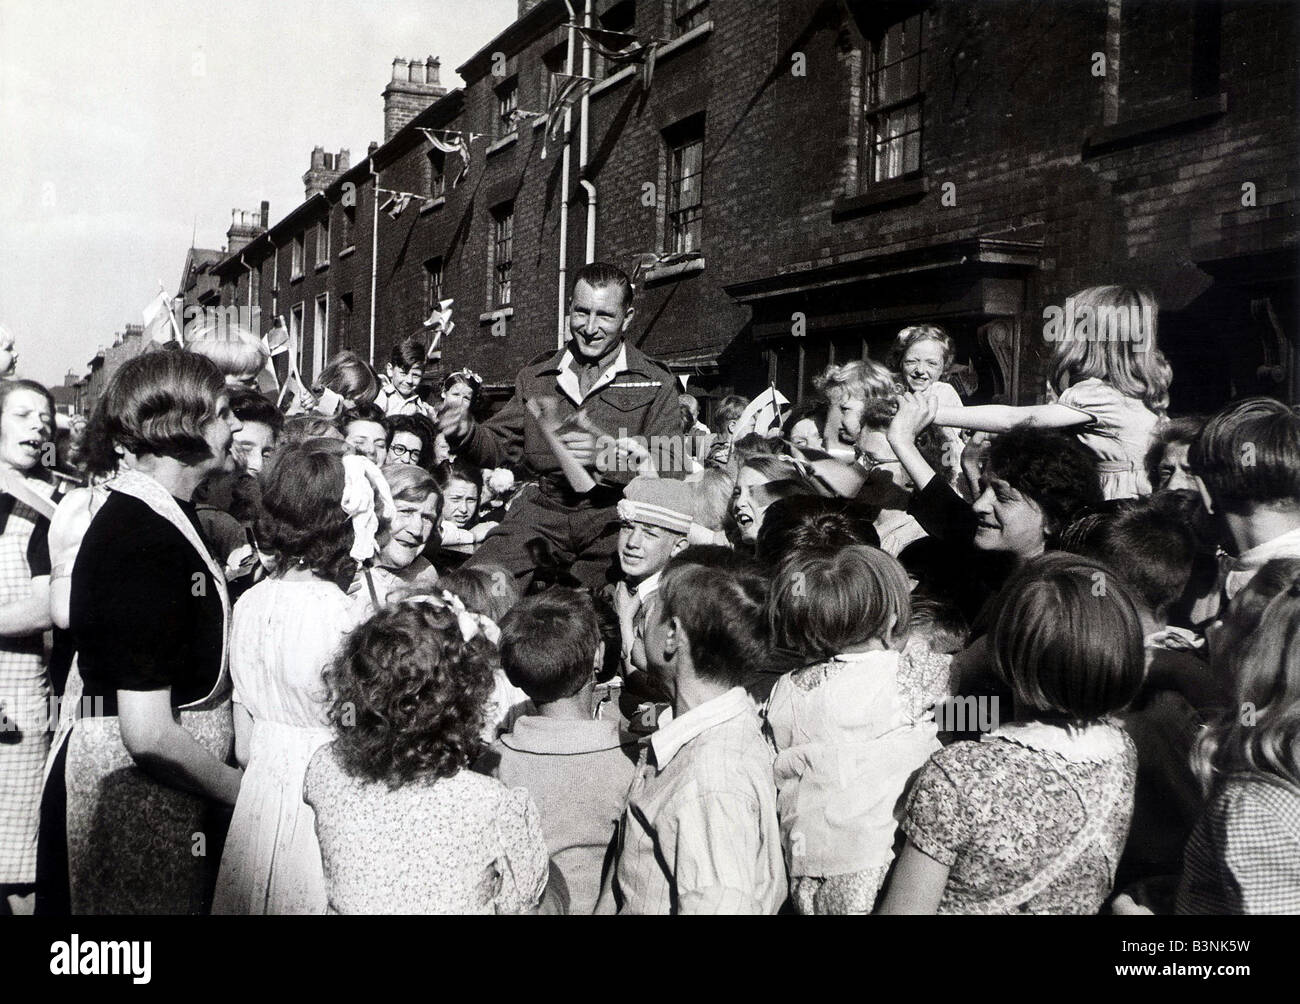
(668,273)
(495,315)
(881,196)
(1148,127)
(509,139)
(322,266)
(350,249)
(296,278)
(431,204)
(665,51)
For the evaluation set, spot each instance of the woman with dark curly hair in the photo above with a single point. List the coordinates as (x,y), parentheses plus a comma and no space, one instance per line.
(404,825)
(1034,484)
(285,630)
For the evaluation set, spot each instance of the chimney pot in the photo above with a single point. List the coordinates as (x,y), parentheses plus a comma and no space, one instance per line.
(431,71)
(416,71)
(399,69)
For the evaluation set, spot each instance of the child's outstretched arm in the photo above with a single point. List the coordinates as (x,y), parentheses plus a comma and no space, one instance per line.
(1003,417)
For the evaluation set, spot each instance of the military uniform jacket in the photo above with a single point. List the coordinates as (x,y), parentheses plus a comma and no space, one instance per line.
(635,396)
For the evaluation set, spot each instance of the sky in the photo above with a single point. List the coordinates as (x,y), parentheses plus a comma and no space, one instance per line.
(129,128)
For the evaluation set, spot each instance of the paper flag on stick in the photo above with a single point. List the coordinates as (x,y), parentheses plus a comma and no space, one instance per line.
(159,322)
(764,414)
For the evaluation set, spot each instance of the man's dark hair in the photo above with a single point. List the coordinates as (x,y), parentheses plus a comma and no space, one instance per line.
(600,274)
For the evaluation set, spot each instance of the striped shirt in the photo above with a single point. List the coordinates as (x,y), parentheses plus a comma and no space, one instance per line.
(1244,855)
(699,833)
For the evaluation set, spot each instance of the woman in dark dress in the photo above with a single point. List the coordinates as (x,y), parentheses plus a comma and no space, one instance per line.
(149,614)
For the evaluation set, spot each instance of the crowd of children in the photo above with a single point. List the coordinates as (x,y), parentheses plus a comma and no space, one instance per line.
(900,655)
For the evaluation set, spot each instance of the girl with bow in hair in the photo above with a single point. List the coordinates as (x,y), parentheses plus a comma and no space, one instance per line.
(404,825)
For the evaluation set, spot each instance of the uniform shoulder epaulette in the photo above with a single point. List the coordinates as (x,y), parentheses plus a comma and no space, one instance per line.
(542,357)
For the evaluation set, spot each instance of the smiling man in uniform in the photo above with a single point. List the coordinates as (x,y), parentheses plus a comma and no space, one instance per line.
(620,391)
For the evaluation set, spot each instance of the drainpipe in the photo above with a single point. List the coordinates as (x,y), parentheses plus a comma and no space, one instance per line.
(587,186)
(374,257)
(249,269)
(562,294)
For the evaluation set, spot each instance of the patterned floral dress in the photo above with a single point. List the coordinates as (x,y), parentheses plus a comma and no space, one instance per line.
(24,691)
(461,844)
(1001,812)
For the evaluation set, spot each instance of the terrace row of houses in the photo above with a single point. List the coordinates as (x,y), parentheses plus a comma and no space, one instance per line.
(796,180)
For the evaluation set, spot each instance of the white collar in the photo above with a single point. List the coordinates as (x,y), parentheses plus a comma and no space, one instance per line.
(567,381)
(1091,744)
(1241,569)
(648,585)
(681,730)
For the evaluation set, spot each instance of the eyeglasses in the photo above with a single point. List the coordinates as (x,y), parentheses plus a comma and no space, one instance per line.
(398,451)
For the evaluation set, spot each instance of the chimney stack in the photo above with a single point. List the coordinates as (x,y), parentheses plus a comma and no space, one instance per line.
(414,86)
(245,226)
(326,168)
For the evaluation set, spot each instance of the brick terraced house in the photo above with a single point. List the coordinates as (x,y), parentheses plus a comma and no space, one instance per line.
(800,178)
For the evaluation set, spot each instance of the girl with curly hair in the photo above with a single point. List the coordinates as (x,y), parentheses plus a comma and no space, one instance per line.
(405,826)
(316,501)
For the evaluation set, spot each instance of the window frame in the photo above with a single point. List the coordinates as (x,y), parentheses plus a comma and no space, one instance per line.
(434,283)
(874,112)
(687,15)
(678,140)
(297,318)
(506,95)
(320,336)
(323,241)
(503,236)
(299,255)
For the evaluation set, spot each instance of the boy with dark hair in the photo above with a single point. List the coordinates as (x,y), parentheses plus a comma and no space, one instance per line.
(700,831)
(576,768)
(1247,466)
(399,387)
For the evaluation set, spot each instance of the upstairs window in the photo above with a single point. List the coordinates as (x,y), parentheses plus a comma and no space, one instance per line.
(507,104)
(437,173)
(894,98)
(299,253)
(685,145)
(433,285)
(689,14)
(323,242)
(349,226)
(503,249)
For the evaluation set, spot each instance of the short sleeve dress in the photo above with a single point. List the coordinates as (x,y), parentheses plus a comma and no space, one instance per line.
(283,636)
(1001,811)
(1119,433)
(464,844)
(148,611)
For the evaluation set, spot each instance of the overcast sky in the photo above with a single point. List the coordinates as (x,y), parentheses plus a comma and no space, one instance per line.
(125,124)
